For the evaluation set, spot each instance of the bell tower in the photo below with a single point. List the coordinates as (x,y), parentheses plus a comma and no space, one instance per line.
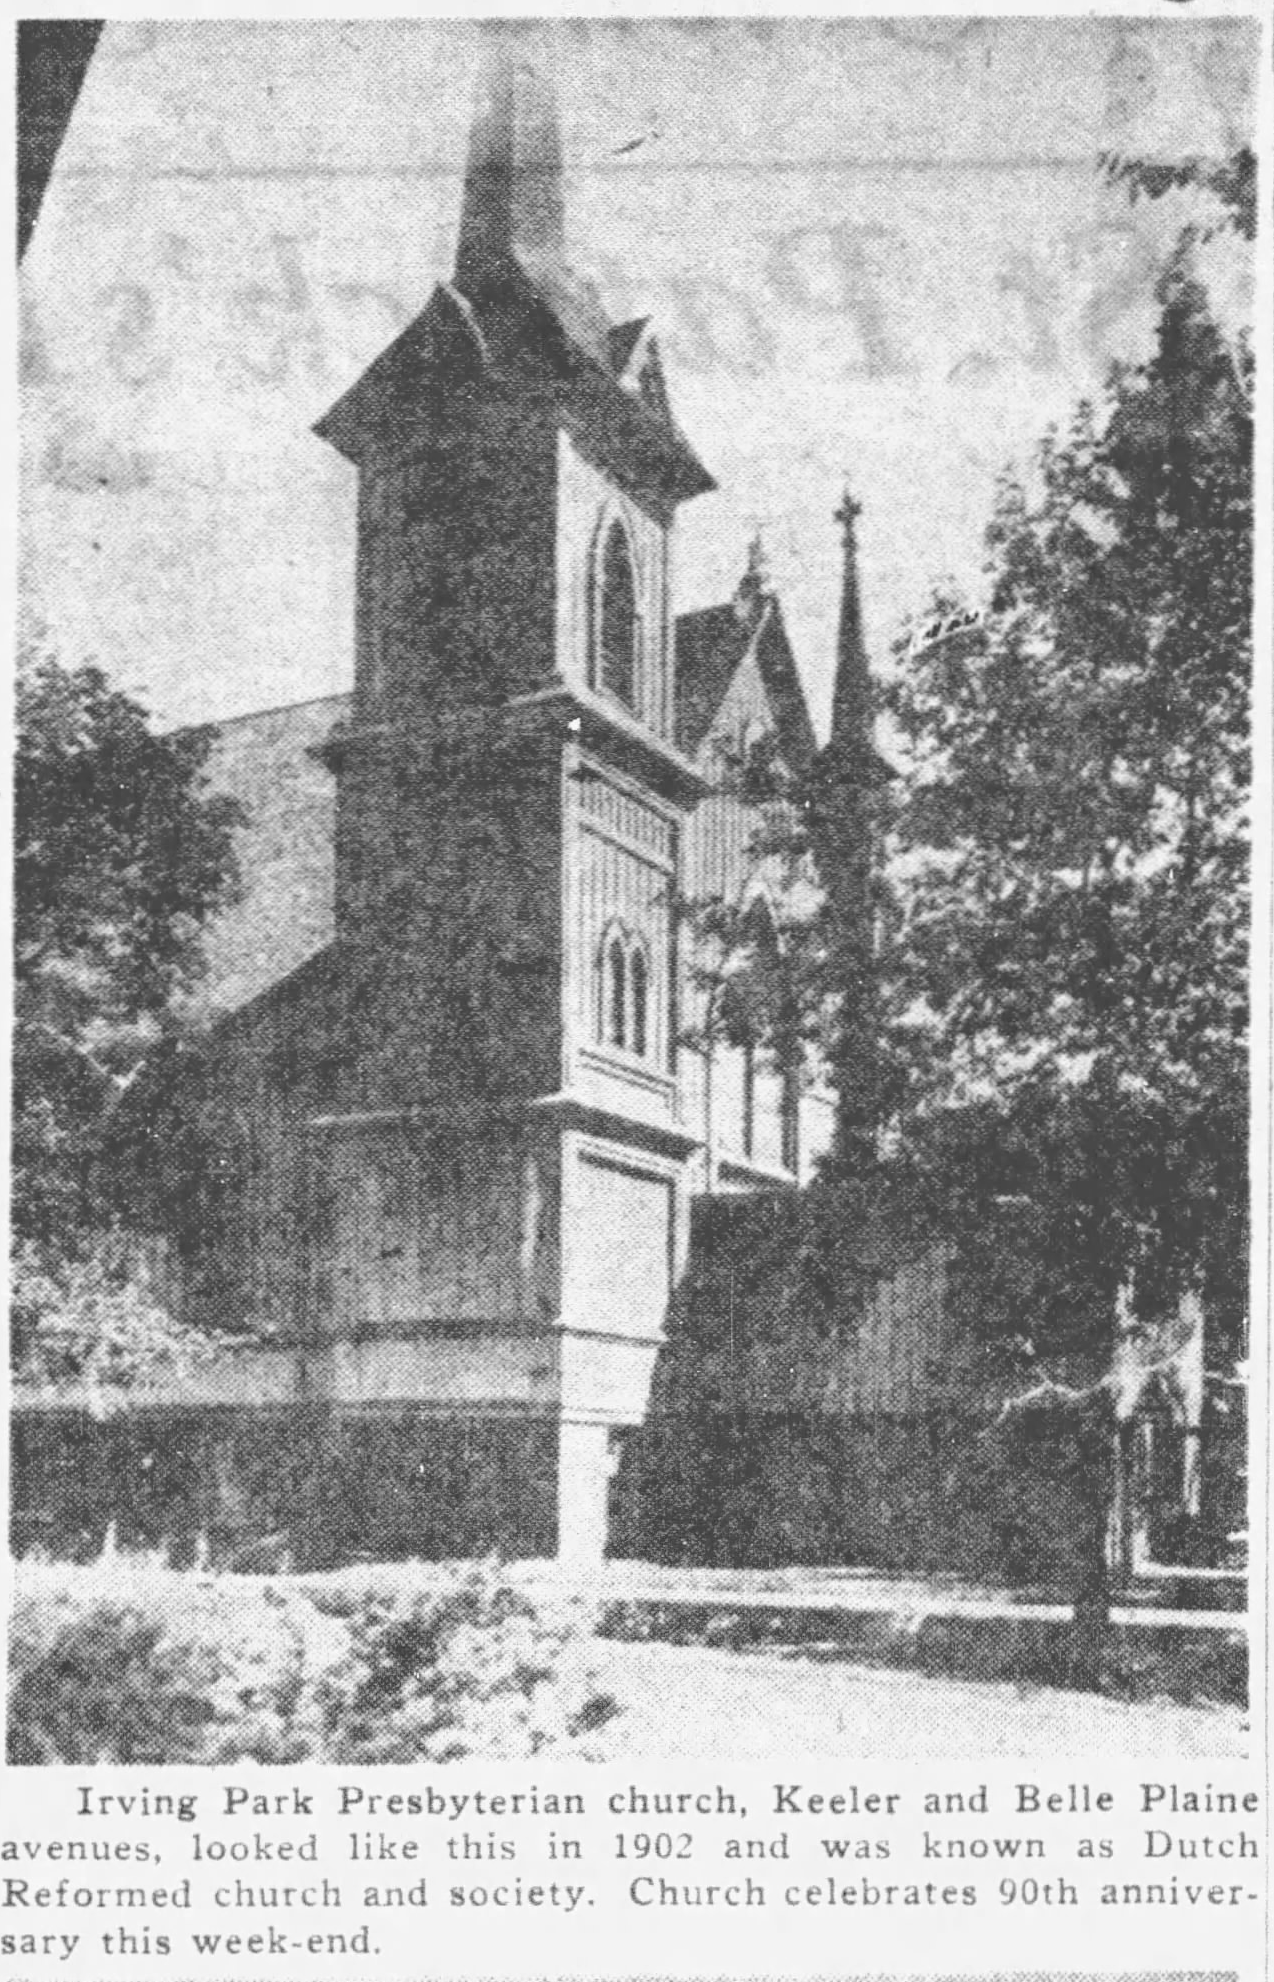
(504,1153)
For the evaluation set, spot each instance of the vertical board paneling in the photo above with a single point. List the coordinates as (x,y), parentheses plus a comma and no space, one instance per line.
(418,1240)
(889,1369)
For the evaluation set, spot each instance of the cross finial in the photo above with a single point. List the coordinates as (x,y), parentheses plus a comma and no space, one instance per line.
(849,511)
(758,563)
(754,586)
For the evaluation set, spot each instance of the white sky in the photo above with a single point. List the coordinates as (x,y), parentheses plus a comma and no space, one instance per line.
(871,247)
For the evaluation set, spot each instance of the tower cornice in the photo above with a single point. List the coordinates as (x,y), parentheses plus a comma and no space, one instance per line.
(560,709)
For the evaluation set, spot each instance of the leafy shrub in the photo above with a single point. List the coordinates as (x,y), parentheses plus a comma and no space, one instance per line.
(434,1675)
(129,1661)
(94,1327)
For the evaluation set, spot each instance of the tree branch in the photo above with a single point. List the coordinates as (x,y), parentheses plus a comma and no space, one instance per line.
(120,1082)
(1066,1394)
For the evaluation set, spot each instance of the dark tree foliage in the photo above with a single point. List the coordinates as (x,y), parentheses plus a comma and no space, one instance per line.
(1069,977)
(1231,182)
(121,857)
(1067,974)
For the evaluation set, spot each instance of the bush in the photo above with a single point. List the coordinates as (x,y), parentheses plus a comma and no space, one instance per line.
(477,1668)
(94,1329)
(129,1661)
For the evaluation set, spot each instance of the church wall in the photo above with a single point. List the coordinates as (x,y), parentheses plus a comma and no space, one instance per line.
(788,1427)
(419,1237)
(455,610)
(767,1116)
(742,1117)
(310,1487)
(719,863)
(248,1263)
(457,576)
(621,1239)
(349,1229)
(512,529)
(458,957)
(902,1339)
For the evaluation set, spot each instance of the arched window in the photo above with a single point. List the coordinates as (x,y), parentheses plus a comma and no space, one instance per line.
(616,993)
(639,993)
(624,1017)
(615,654)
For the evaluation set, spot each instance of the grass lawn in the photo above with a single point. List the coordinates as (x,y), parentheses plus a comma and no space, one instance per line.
(745,1706)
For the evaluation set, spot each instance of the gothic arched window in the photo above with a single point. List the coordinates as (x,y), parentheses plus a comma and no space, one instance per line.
(615,646)
(624,992)
(639,991)
(616,993)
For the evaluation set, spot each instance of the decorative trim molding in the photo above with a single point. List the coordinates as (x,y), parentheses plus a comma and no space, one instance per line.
(576,1111)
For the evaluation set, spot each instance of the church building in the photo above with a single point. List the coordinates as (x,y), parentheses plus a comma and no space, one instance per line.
(459,1018)
(486,1166)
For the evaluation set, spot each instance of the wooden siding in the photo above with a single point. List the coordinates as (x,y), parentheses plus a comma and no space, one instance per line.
(416,1239)
(741,1121)
(890,1369)
(624,854)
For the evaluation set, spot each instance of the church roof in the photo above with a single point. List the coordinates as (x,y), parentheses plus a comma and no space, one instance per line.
(285,849)
(623,340)
(712,645)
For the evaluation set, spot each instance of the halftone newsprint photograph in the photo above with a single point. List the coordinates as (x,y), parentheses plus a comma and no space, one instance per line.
(634,847)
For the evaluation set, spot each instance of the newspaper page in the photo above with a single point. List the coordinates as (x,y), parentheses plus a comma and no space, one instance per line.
(638,1190)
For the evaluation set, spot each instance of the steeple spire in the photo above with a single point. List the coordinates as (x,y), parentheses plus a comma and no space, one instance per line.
(513,215)
(851,696)
(843,825)
(513,201)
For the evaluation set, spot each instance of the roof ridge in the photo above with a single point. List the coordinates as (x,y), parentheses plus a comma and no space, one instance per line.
(254,715)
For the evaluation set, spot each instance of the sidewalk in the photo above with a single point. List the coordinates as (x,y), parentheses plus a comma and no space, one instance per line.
(865,1590)
(937,1625)
(767,1706)
(931,1624)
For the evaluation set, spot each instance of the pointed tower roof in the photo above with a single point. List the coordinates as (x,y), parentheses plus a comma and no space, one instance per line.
(845,834)
(853,713)
(851,694)
(513,200)
(517,311)
(513,214)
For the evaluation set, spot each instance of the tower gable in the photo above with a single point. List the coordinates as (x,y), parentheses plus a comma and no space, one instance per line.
(713,647)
